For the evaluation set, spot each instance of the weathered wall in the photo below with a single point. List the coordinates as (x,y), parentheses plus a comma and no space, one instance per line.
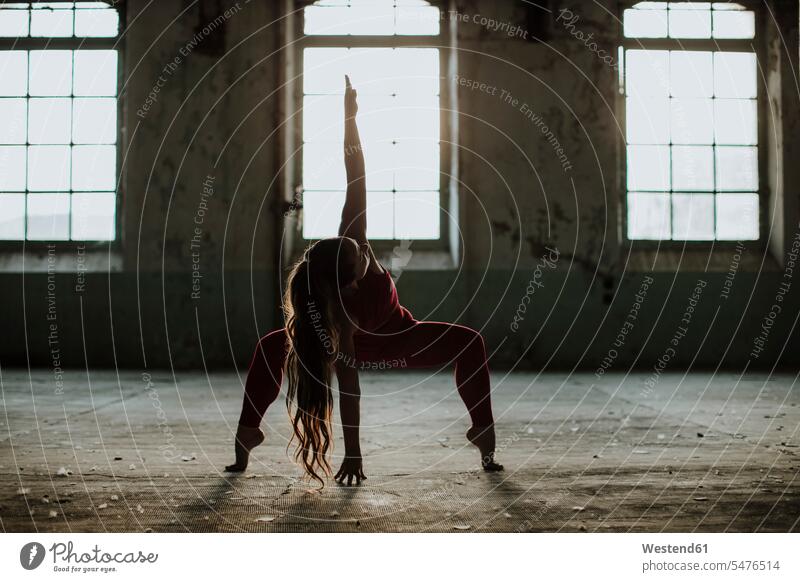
(210,114)
(214,116)
(526,198)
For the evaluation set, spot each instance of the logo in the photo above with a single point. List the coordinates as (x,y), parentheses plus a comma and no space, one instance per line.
(31,555)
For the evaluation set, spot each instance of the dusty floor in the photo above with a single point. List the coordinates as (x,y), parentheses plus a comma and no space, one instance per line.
(116,453)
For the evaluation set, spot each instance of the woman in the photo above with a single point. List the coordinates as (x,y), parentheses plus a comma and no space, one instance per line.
(342,311)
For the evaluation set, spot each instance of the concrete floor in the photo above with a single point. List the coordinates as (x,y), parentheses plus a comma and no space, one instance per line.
(697,453)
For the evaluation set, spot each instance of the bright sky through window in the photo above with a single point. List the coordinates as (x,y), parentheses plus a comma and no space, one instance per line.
(371,17)
(58,152)
(691,123)
(398,117)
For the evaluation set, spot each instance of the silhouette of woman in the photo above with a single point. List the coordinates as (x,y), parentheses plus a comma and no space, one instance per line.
(342,311)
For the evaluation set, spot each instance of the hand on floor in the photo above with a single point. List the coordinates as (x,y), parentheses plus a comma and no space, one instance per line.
(351,467)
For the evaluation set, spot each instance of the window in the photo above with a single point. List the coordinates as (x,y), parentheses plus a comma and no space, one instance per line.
(381,45)
(58,103)
(691,85)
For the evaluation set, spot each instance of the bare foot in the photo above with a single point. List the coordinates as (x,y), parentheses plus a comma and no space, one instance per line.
(247,438)
(483,438)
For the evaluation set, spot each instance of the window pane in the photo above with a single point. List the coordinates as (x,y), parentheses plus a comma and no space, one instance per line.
(323,166)
(46,117)
(645,23)
(398,106)
(416,215)
(734,24)
(380,215)
(12,168)
(324,70)
(734,74)
(646,120)
(372,70)
(51,73)
(737,168)
(49,121)
(416,166)
(689,23)
(404,116)
(95,73)
(94,168)
(365,19)
(95,121)
(648,216)
(381,159)
(378,17)
(13,73)
(48,168)
(411,117)
(693,216)
(699,162)
(648,167)
(735,121)
(13,112)
(417,20)
(58,19)
(378,117)
(322,118)
(96,23)
(12,218)
(322,212)
(51,22)
(692,168)
(48,216)
(737,216)
(93,216)
(647,72)
(692,120)
(415,70)
(690,73)
(13,22)
(325,20)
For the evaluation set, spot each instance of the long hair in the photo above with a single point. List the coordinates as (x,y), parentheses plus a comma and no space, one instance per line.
(312,308)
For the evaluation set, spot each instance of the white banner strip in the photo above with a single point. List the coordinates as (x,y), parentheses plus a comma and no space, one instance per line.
(289,557)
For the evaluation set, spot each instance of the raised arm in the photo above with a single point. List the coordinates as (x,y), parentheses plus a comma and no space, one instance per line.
(350,410)
(354,213)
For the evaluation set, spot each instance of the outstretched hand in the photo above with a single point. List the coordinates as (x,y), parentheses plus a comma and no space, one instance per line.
(350,104)
(351,467)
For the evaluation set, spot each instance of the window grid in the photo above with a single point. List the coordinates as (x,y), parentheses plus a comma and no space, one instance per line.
(397,175)
(317,193)
(720,194)
(713,143)
(725,20)
(80,13)
(87,135)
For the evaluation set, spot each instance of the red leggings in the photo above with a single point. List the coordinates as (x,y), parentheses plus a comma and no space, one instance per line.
(423,344)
